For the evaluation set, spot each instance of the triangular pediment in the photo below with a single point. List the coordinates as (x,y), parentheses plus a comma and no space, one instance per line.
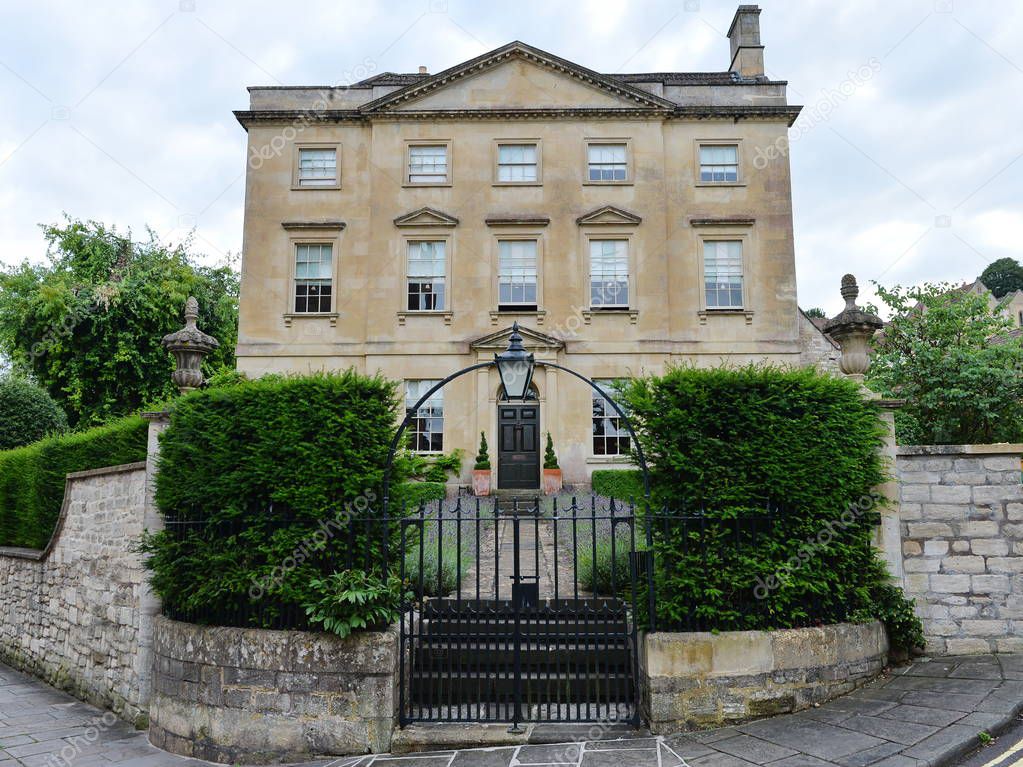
(533,340)
(426,217)
(517,77)
(609,215)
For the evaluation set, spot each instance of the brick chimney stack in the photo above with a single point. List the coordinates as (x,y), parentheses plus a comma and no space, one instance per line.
(744,39)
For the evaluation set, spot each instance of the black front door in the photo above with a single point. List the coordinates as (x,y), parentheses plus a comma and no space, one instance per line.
(518,455)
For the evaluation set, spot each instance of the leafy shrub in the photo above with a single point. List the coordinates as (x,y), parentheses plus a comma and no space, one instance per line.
(267,486)
(410,495)
(595,574)
(431,468)
(623,484)
(724,440)
(351,600)
(27,413)
(32,477)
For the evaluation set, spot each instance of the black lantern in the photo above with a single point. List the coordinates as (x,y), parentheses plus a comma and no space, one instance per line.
(515,366)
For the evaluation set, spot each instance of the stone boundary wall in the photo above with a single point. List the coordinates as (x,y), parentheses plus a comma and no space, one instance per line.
(252,696)
(698,680)
(961,514)
(69,614)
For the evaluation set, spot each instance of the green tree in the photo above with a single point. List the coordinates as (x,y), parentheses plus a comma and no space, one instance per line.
(1003,276)
(955,363)
(815,312)
(88,324)
(27,413)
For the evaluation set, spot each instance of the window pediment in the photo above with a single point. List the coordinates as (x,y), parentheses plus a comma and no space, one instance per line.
(426,217)
(609,215)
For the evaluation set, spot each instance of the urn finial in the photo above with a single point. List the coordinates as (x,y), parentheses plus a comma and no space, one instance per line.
(189,347)
(852,330)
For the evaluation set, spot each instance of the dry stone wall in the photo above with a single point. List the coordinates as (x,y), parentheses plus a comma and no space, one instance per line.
(961,515)
(70,614)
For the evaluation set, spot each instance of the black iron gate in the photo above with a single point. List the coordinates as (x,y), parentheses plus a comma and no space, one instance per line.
(520,611)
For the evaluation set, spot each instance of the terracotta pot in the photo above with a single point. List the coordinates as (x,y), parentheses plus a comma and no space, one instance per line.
(551,481)
(481,481)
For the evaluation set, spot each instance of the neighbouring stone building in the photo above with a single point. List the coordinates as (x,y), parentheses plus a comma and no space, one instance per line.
(625,221)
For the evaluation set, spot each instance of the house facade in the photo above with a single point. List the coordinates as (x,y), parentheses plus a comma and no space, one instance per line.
(400,225)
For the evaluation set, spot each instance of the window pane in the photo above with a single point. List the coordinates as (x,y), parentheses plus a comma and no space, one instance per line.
(428,164)
(317,167)
(517,272)
(313,277)
(516,162)
(722,270)
(719,163)
(426,431)
(607,162)
(609,434)
(609,273)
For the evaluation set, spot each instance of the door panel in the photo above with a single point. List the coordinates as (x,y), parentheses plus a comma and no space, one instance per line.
(518,461)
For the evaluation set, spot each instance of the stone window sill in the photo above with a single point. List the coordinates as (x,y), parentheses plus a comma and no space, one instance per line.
(589,314)
(402,315)
(535,314)
(332,316)
(747,313)
(607,459)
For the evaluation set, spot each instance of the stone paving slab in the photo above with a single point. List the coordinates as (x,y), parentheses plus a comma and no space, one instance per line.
(925,715)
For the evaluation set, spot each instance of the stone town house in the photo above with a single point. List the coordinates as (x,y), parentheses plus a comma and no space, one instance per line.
(626,222)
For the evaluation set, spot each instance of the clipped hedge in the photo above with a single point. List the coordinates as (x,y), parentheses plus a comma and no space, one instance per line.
(622,484)
(260,483)
(32,477)
(410,495)
(726,440)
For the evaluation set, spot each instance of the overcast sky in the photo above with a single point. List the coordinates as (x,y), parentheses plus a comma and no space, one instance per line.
(906,162)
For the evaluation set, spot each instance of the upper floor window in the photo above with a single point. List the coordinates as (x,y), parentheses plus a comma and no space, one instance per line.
(317,167)
(517,163)
(428,164)
(610,436)
(719,163)
(426,430)
(516,278)
(313,278)
(426,275)
(722,274)
(608,162)
(609,273)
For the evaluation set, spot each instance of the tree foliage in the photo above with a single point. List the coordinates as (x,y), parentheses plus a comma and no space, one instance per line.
(956,363)
(1003,276)
(27,413)
(88,324)
(815,312)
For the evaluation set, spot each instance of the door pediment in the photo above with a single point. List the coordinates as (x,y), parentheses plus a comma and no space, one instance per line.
(533,340)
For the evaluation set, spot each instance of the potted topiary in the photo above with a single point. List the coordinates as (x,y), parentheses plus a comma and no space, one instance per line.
(551,470)
(481,469)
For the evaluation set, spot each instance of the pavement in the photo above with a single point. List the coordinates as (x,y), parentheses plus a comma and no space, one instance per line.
(927,714)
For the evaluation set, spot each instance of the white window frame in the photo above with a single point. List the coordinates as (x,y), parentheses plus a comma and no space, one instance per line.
(410,246)
(296,176)
(436,180)
(523,306)
(714,142)
(535,143)
(591,241)
(595,142)
(426,412)
(743,243)
(608,385)
(296,280)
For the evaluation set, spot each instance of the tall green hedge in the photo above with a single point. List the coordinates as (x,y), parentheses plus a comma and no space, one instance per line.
(726,440)
(620,484)
(32,477)
(262,470)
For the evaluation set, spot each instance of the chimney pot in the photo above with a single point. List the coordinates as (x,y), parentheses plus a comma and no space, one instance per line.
(744,42)
(422,71)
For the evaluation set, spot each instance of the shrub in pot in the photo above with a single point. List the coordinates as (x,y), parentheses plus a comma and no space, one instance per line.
(551,471)
(481,469)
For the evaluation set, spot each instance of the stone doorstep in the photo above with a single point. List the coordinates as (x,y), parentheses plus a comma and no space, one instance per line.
(447,737)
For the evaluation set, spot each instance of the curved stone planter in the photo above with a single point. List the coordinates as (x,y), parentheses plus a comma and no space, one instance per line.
(253,696)
(694,680)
